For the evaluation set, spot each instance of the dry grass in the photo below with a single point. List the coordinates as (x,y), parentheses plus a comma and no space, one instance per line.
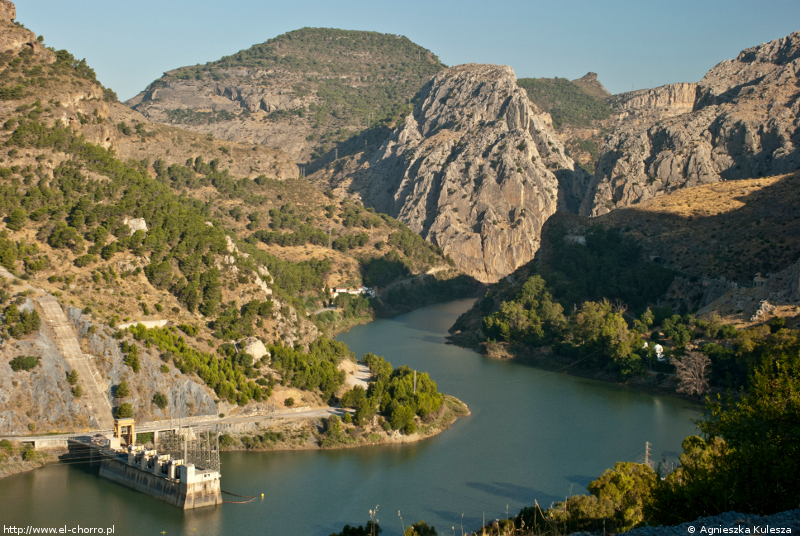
(732,229)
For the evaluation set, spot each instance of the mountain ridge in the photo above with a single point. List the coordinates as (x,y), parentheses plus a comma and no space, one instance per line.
(299,91)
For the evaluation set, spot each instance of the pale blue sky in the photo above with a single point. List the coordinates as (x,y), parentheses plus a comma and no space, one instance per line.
(627,42)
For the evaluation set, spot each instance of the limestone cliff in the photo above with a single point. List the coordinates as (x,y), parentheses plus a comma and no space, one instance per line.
(475,169)
(743,123)
(654,104)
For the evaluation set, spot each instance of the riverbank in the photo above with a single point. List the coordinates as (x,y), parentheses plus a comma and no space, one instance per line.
(315,434)
(544,358)
(17,458)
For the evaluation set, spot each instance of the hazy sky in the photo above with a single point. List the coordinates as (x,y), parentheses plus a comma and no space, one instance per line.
(629,43)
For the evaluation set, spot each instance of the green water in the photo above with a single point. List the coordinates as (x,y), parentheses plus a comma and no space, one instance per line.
(532,435)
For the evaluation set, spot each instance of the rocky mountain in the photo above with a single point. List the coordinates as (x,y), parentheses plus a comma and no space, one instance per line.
(299,92)
(108,220)
(743,123)
(475,169)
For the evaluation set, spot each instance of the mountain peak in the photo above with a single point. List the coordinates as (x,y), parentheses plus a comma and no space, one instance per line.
(591,85)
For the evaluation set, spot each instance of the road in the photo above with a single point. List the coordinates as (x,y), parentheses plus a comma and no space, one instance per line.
(175,423)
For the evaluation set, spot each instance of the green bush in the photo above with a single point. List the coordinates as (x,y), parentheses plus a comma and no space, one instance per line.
(72,377)
(123,390)
(124,411)
(160,400)
(226,440)
(24,362)
(16,219)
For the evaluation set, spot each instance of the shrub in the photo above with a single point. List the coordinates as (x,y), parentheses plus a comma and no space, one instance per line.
(16,219)
(289,402)
(164,369)
(160,400)
(124,411)
(77,392)
(191,331)
(123,390)
(7,446)
(226,440)
(24,362)
(72,377)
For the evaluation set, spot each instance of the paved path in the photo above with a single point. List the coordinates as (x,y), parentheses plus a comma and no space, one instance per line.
(94,386)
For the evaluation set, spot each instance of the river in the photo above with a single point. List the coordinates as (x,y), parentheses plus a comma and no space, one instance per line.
(532,436)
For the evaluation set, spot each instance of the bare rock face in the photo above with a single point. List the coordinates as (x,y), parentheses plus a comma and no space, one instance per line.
(656,103)
(242,92)
(744,123)
(8,11)
(474,169)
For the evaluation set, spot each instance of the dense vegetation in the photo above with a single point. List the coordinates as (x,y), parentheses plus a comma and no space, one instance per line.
(399,395)
(610,266)
(578,304)
(315,370)
(745,462)
(235,376)
(565,101)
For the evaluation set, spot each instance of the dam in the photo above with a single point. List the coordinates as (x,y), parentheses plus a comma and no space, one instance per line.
(182,468)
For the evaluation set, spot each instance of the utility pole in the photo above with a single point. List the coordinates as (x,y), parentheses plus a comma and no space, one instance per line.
(336,154)
(415,382)
(647,453)
(329,238)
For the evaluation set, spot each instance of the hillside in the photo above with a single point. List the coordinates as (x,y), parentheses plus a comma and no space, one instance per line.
(220,247)
(300,92)
(575,103)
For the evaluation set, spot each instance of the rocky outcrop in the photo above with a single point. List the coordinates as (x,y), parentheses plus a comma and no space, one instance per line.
(211,108)
(744,123)
(254,347)
(654,104)
(475,169)
(16,39)
(184,397)
(778,289)
(8,11)
(591,85)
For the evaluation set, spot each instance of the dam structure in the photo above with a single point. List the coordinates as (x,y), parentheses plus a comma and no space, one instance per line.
(182,468)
